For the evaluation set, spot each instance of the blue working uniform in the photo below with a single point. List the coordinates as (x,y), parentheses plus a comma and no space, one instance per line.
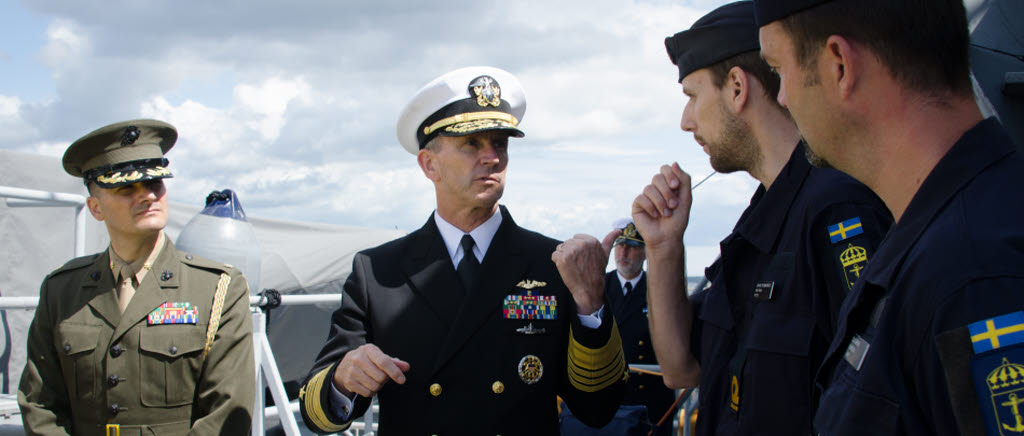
(951,270)
(765,323)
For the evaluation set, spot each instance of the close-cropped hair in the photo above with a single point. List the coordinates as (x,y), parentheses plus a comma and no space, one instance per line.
(752,63)
(923,43)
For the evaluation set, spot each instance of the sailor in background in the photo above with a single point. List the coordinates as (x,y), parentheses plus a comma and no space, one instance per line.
(464,326)
(626,293)
(140,338)
(647,398)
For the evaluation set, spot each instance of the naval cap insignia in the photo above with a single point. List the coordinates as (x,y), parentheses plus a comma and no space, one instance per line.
(530,369)
(486,91)
(130,135)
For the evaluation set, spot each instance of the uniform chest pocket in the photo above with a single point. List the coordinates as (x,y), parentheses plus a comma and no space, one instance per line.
(170,364)
(76,344)
(848,410)
(778,370)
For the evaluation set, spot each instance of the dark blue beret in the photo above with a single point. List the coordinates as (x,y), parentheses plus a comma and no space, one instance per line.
(771,10)
(721,34)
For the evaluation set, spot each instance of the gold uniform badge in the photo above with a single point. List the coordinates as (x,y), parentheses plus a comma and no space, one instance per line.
(530,369)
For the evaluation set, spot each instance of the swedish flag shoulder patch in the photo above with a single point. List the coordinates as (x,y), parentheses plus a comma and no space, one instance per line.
(997,369)
(845,230)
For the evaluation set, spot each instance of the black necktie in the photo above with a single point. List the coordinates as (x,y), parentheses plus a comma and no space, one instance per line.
(468,266)
(629,288)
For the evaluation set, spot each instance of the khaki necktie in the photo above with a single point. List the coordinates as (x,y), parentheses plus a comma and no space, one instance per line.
(125,287)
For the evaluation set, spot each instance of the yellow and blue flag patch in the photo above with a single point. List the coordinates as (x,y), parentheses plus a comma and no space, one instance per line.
(998,372)
(845,230)
(997,332)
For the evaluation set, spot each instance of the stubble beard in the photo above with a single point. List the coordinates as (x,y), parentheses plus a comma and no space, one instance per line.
(735,149)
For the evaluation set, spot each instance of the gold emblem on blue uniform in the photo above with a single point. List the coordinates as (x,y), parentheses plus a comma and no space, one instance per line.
(854,258)
(844,230)
(530,369)
(998,345)
(530,284)
(174,313)
(734,397)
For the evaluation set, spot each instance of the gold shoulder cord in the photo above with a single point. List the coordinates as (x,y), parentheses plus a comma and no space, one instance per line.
(215,312)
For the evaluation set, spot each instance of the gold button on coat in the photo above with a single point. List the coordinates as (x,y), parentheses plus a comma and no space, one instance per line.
(498,387)
(435,390)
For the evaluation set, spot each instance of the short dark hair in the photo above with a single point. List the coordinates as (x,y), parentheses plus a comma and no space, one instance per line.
(923,43)
(752,63)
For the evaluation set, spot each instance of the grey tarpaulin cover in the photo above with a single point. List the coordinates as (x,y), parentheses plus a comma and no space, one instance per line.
(297,258)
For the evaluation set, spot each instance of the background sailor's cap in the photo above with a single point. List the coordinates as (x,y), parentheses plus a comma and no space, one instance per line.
(629,234)
(122,153)
(771,10)
(721,34)
(461,102)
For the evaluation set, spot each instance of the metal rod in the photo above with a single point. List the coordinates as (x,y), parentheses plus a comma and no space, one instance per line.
(49,197)
(703,180)
(21,197)
(291,300)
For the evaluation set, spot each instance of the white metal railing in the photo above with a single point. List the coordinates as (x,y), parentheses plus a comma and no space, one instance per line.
(21,197)
(267,374)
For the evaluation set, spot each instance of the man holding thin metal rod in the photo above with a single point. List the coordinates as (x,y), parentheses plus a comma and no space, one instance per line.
(755,337)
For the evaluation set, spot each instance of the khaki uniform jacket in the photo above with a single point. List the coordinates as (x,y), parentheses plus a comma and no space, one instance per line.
(475,368)
(88,365)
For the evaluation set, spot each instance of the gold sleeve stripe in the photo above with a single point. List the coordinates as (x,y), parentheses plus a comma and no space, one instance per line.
(594,369)
(314,409)
(471,116)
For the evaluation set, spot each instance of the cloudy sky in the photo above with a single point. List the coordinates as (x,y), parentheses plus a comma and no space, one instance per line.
(293,103)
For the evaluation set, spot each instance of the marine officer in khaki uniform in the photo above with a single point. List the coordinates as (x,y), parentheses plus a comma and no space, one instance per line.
(140,338)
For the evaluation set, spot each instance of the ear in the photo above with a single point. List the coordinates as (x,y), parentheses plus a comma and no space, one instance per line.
(94,208)
(736,89)
(428,163)
(840,65)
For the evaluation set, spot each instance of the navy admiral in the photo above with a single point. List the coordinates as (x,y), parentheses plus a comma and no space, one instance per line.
(752,340)
(928,342)
(464,327)
(140,338)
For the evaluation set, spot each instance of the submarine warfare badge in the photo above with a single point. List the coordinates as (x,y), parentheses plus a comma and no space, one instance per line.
(530,369)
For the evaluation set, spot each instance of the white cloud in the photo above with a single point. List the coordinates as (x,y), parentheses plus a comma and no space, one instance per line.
(65,44)
(295,106)
(269,101)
